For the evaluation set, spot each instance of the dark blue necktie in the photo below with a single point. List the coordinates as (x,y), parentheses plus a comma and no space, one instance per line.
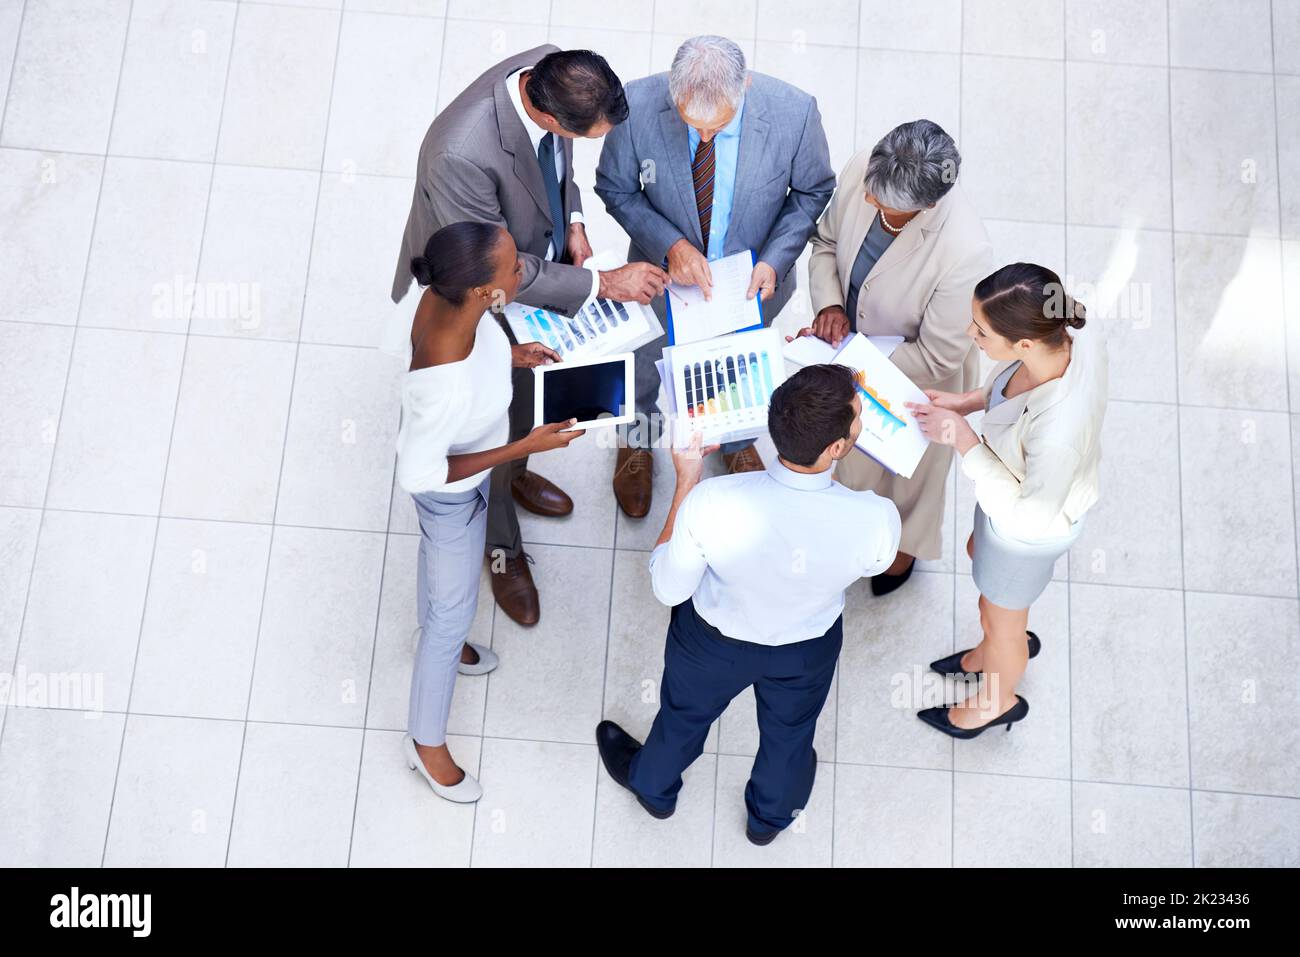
(546,159)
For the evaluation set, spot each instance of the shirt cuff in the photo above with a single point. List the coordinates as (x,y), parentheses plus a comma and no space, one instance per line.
(576,217)
(595,283)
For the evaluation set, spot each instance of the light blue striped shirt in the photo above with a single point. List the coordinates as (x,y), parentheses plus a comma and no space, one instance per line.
(726,151)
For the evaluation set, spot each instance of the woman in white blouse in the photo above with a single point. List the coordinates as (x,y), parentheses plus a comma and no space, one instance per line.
(454,430)
(1034,468)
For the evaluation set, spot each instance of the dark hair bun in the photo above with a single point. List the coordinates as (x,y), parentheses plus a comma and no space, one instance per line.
(1028,301)
(457,258)
(1076,314)
(422,270)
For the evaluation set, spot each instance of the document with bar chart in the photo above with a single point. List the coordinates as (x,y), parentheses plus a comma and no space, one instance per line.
(721,387)
(603,327)
(889,433)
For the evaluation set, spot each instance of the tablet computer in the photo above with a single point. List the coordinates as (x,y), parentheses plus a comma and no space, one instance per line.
(597,391)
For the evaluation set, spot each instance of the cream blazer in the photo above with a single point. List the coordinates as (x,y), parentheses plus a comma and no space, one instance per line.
(1035,470)
(919,289)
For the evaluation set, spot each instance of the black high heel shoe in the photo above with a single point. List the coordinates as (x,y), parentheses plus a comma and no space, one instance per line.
(884,583)
(952,664)
(938,718)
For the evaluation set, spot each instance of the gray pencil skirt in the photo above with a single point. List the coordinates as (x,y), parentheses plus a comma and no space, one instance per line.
(1011,572)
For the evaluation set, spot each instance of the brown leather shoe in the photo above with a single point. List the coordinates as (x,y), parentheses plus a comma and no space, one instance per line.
(514,591)
(746,460)
(540,496)
(633,487)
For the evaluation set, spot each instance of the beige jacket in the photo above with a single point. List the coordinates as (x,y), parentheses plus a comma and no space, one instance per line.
(920,288)
(1035,471)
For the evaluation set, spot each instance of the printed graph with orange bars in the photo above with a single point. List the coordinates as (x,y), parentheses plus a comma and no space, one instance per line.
(876,404)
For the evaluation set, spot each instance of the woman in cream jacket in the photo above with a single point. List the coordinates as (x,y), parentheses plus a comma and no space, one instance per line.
(1034,467)
(896,254)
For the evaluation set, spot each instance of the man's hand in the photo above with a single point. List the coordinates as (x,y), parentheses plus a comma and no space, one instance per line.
(687,266)
(578,248)
(944,426)
(530,354)
(635,282)
(832,325)
(689,462)
(763,278)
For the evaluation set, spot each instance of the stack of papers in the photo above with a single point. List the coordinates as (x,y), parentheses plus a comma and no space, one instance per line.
(721,387)
(601,328)
(890,434)
(692,318)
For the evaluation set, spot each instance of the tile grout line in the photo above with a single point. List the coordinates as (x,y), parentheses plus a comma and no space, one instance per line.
(171,437)
(1178,443)
(725,754)
(1286,326)
(1069,570)
(13,69)
(288,421)
(609,610)
(388,510)
(370,681)
(71,355)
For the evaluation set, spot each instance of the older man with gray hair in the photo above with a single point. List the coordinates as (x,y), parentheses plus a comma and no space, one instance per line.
(712,160)
(898,253)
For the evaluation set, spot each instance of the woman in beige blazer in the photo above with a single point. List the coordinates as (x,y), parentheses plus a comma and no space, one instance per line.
(897,253)
(1034,468)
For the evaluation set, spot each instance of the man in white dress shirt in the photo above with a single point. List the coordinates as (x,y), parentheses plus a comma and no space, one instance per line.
(755,565)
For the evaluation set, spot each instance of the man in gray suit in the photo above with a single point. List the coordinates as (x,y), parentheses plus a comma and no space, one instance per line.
(502,152)
(712,161)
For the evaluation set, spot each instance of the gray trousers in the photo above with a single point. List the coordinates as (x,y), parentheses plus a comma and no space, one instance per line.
(452,527)
(502,518)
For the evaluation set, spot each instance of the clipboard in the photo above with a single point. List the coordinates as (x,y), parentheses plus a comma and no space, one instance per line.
(758,300)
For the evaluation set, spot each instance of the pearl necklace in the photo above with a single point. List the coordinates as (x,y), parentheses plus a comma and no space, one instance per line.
(884,222)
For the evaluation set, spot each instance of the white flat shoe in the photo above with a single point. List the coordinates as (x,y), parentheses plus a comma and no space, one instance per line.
(466,792)
(487,661)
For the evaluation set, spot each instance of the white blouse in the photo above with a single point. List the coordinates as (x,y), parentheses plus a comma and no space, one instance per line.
(452,409)
(1036,468)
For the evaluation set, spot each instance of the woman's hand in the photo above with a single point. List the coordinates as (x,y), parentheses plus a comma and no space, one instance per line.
(544,438)
(831,325)
(531,354)
(944,426)
(955,401)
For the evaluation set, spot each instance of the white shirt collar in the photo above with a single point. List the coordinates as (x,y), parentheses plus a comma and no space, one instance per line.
(804,481)
(535,132)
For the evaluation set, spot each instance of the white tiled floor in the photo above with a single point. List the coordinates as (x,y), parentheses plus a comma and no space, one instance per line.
(196,497)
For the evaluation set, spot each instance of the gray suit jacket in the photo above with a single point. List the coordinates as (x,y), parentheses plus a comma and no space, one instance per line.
(784,177)
(477,163)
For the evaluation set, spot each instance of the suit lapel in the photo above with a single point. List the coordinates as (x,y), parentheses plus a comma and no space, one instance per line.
(1008,410)
(515,141)
(677,149)
(753,139)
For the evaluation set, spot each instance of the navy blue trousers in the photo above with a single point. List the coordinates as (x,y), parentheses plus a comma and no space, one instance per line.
(703,671)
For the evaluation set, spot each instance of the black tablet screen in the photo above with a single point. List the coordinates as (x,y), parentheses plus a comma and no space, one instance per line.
(583,392)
